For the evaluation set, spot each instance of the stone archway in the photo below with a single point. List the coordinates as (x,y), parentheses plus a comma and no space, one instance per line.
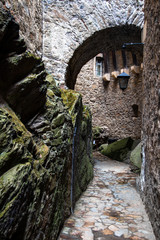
(107,39)
(73,28)
(111,107)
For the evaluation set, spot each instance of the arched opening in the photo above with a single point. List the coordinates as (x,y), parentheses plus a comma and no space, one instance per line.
(93,72)
(101,41)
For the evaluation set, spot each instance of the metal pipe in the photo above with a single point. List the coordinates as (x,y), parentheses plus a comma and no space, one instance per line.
(131,44)
(73,167)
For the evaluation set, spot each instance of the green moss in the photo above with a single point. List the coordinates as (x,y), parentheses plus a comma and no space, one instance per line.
(73,101)
(86,112)
(7,207)
(14,60)
(50,80)
(11,174)
(58,121)
(29,54)
(69,98)
(57,142)
(11,182)
(42,151)
(52,87)
(50,93)
(57,133)
(17,145)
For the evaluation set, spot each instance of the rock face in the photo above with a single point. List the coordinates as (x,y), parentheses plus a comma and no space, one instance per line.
(136,158)
(37,184)
(82,146)
(117,150)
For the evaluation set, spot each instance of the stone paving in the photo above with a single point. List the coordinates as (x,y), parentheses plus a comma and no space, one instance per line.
(110,208)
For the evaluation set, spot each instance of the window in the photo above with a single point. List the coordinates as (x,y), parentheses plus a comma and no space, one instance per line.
(135,110)
(99,66)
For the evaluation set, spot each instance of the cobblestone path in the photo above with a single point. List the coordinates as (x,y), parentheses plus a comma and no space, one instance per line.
(110,208)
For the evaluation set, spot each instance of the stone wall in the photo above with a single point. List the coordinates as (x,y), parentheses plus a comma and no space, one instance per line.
(150,177)
(55,29)
(69,25)
(111,107)
(29,15)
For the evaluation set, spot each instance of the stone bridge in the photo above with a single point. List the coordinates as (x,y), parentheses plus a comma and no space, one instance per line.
(75,31)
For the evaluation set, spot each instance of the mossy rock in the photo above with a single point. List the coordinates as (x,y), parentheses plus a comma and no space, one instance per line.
(136,157)
(36,155)
(28,96)
(73,101)
(52,88)
(117,150)
(15,68)
(16,142)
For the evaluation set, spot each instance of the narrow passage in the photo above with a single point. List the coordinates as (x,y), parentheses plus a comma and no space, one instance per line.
(110,208)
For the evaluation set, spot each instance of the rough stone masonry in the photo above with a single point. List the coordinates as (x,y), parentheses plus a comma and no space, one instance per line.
(68,24)
(150,176)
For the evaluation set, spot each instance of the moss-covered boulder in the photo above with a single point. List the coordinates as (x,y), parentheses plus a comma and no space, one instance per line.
(136,156)
(117,150)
